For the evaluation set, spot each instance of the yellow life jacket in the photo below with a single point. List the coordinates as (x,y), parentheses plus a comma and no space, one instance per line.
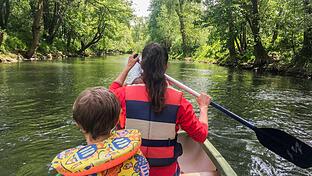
(117,155)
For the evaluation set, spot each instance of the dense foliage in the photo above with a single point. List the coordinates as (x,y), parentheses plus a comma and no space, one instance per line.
(70,26)
(273,34)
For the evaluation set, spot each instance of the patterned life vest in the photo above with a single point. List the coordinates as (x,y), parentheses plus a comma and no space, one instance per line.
(117,155)
(159,137)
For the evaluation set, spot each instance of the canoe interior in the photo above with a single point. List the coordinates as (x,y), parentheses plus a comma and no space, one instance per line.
(194,160)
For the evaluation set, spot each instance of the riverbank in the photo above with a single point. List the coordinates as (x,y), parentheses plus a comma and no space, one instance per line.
(9,58)
(276,67)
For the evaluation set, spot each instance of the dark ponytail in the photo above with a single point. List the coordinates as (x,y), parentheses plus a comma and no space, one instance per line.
(154,64)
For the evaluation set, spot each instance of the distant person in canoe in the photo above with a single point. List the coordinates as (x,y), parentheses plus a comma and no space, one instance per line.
(158,111)
(108,152)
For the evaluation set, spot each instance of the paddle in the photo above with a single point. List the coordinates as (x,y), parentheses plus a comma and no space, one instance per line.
(281,143)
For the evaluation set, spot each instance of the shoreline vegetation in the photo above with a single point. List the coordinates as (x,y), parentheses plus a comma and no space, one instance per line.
(274,67)
(271,36)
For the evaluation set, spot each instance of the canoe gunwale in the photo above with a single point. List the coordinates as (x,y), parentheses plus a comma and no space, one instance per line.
(221,164)
(218,160)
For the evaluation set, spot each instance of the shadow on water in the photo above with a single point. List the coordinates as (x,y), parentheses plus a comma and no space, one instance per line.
(36,100)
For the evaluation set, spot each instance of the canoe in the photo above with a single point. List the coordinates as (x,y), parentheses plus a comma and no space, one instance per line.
(201,159)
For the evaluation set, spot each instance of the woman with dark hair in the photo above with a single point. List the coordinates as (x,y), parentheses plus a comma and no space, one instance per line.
(159,111)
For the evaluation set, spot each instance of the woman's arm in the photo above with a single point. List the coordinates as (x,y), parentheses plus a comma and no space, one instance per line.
(123,75)
(196,128)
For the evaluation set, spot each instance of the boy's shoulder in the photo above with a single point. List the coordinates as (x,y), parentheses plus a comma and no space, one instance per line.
(122,147)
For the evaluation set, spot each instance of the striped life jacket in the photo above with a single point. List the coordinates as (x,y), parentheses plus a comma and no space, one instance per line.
(159,137)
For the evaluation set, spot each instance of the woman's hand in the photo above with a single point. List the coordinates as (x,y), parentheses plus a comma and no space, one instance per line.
(203,101)
(132,61)
(123,75)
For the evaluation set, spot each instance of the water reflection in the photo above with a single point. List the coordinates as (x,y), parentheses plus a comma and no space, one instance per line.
(36,100)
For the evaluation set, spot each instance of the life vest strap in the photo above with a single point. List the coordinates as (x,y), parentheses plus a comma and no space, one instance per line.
(159,143)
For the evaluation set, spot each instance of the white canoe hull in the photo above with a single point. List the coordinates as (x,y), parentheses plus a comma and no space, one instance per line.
(201,159)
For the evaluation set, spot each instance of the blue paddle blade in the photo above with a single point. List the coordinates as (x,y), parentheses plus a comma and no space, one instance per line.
(286,146)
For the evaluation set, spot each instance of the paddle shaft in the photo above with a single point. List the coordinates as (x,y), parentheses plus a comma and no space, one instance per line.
(215,105)
(279,142)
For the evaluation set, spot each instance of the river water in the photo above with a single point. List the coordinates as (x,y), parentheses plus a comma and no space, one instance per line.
(36,100)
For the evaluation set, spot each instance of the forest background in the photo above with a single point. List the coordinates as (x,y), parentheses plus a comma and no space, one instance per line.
(274,35)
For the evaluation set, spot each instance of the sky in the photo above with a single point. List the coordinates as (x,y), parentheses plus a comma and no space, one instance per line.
(141,7)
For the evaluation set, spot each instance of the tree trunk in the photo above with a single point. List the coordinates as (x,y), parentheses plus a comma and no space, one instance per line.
(46,14)
(231,48)
(260,53)
(35,30)
(241,42)
(84,46)
(179,11)
(68,40)
(97,37)
(305,54)
(243,39)
(5,10)
(307,43)
(231,34)
(239,48)
(1,37)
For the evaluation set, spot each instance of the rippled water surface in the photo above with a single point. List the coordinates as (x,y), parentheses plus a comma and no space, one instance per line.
(36,100)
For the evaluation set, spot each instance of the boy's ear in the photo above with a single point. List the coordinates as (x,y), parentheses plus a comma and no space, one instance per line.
(80,128)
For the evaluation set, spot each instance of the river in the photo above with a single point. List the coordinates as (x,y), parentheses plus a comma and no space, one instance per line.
(36,100)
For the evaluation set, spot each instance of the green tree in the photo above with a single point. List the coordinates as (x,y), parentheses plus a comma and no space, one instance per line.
(5,10)
(180,12)
(139,32)
(36,28)
(179,7)
(225,17)
(89,21)
(253,19)
(53,13)
(231,31)
(162,24)
(304,57)
(170,26)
